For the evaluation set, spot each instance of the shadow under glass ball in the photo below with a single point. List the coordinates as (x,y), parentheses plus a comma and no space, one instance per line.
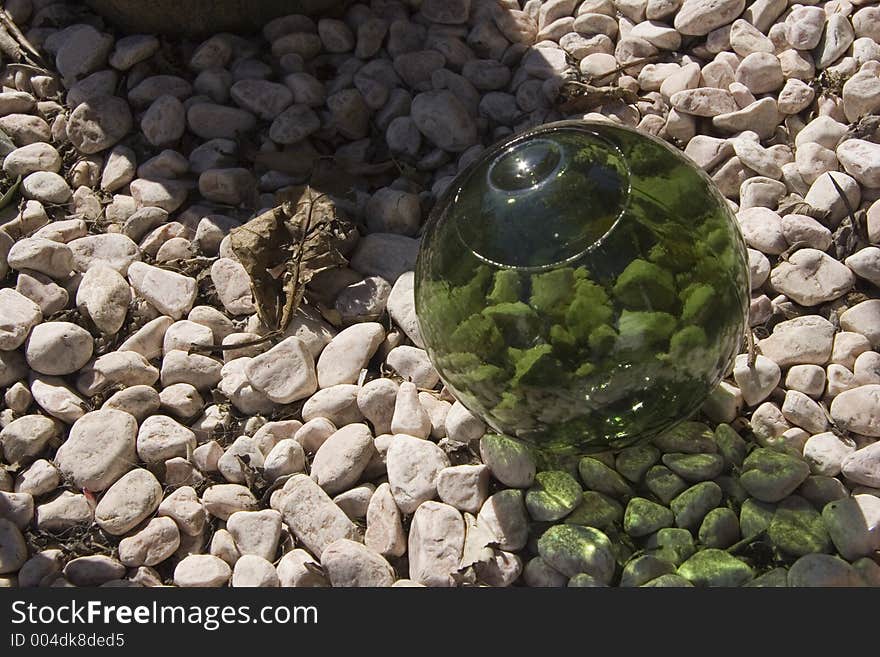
(582,286)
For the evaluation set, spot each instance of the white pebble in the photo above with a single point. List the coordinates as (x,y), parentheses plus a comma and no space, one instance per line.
(160,438)
(99,449)
(341,459)
(436,542)
(285,373)
(256,532)
(384,534)
(348,353)
(465,487)
(758,380)
(202,570)
(413,467)
(800,341)
(151,545)
(858,410)
(171,293)
(312,516)
(103,296)
(409,416)
(825,452)
(351,564)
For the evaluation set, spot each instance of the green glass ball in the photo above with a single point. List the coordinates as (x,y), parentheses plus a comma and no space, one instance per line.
(582,286)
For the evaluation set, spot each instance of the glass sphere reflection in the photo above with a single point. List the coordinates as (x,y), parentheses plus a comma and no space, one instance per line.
(524,166)
(582,286)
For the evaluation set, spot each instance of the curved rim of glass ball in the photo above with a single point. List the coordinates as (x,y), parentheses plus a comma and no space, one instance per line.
(509,146)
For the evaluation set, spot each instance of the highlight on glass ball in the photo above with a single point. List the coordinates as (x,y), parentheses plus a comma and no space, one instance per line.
(582,286)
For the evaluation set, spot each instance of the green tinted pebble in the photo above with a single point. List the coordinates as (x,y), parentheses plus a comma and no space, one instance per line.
(643,517)
(506,287)
(670,581)
(691,506)
(755,517)
(599,477)
(554,495)
(645,286)
(719,529)
(573,549)
(770,475)
(596,510)
(772,578)
(671,544)
(582,580)
(797,528)
(687,437)
(664,483)
(819,490)
(634,462)
(730,445)
(711,568)
(643,569)
(510,461)
(643,330)
(694,467)
(731,488)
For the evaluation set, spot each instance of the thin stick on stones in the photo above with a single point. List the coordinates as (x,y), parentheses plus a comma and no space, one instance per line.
(650,59)
(205,349)
(12,28)
(750,340)
(843,197)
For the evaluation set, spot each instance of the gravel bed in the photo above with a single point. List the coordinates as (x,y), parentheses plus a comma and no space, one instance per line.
(133,452)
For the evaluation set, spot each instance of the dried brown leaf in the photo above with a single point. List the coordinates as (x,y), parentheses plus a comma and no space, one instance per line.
(282,250)
(478,544)
(846,239)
